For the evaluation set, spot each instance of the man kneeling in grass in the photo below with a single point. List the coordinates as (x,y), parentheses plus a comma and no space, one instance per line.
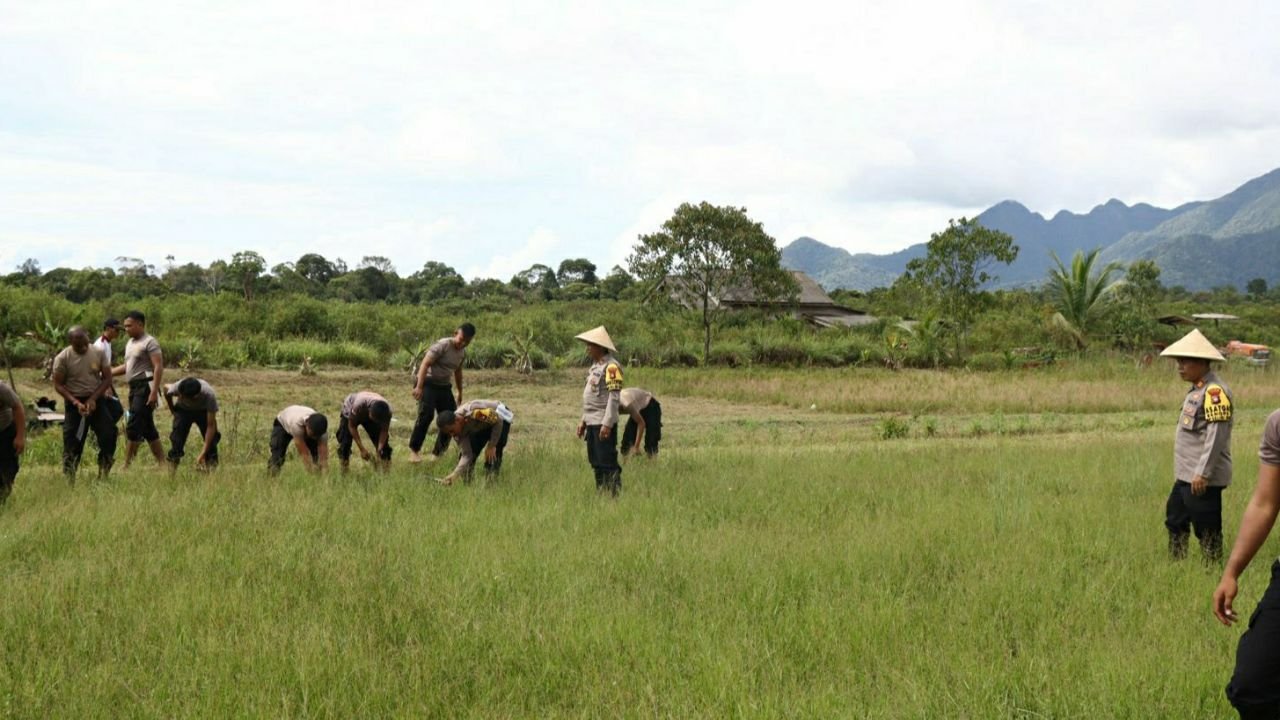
(371,411)
(309,431)
(476,424)
(193,402)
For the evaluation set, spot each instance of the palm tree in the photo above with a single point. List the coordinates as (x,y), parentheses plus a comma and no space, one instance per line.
(1079,293)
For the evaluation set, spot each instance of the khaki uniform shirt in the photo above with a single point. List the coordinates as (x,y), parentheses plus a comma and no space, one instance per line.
(82,374)
(1202,444)
(446,358)
(633,400)
(1269,448)
(601,396)
(356,406)
(8,401)
(137,358)
(476,416)
(206,401)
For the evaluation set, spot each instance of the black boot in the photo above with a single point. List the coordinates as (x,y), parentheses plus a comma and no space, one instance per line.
(613,482)
(1211,546)
(1178,545)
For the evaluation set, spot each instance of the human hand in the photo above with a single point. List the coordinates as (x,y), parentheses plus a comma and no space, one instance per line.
(19,444)
(201,461)
(582,429)
(606,432)
(365,454)
(1223,596)
(90,406)
(1198,485)
(417,392)
(491,453)
(153,399)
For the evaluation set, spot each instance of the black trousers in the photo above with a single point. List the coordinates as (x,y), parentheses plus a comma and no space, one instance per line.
(434,399)
(182,422)
(478,442)
(142,418)
(1254,689)
(372,429)
(103,427)
(280,442)
(1185,511)
(8,461)
(652,415)
(602,453)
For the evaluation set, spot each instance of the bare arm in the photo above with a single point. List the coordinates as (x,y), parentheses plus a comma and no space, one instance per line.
(1258,519)
(423,368)
(20,428)
(211,432)
(640,428)
(304,453)
(157,366)
(457,380)
(59,386)
(323,452)
(105,385)
(354,429)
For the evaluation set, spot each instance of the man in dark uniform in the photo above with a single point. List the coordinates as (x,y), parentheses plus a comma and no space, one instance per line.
(600,405)
(308,430)
(143,369)
(81,375)
(1201,450)
(476,425)
(193,402)
(441,364)
(1254,689)
(371,411)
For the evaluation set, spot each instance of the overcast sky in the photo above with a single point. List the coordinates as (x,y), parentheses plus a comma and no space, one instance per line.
(494,135)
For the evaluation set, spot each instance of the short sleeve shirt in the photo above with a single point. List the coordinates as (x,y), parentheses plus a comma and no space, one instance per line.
(446,358)
(137,358)
(102,344)
(1269,450)
(294,421)
(357,405)
(8,401)
(82,374)
(206,401)
(634,399)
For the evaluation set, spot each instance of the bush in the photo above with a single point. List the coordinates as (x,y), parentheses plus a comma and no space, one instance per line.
(891,428)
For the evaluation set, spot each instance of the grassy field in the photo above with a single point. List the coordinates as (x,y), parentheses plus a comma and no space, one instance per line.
(809,544)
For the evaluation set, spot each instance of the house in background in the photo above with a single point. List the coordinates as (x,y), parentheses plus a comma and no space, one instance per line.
(812,302)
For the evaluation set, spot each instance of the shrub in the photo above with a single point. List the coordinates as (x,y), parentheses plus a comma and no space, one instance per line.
(891,428)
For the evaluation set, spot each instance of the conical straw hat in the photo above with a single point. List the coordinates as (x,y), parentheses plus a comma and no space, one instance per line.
(1193,345)
(598,336)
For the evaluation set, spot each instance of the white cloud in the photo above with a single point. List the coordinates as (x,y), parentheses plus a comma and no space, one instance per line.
(540,247)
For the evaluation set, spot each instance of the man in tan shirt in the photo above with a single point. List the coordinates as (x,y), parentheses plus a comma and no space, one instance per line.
(81,375)
(441,365)
(477,425)
(600,402)
(144,371)
(644,421)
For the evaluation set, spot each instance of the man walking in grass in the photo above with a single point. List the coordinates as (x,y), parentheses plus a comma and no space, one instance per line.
(644,421)
(308,430)
(600,402)
(193,402)
(110,331)
(442,364)
(1201,450)
(1254,689)
(82,376)
(371,411)
(144,371)
(477,424)
(13,438)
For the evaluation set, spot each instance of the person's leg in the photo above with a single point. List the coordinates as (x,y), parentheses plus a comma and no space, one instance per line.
(653,427)
(202,424)
(426,411)
(1177,520)
(629,435)
(1254,689)
(182,422)
(104,429)
(444,400)
(1206,519)
(8,462)
(345,439)
(133,429)
(72,443)
(313,447)
(495,467)
(592,438)
(150,432)
(607,456)
(280,440)
(374,431)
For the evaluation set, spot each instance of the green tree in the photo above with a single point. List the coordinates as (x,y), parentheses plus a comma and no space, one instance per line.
(1079,293)
(704,251)
(188,279)
(1257,287)
(617,282)
(30,267)
(538,279)
(315,268)
(245,268)
(954,270)
(1133,317)
(435,281)
(576,270)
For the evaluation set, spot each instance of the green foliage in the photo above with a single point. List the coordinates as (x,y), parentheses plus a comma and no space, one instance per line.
(1080,293)
(955,269)
(893,428)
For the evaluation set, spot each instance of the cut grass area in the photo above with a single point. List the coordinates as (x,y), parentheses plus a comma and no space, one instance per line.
(772,562)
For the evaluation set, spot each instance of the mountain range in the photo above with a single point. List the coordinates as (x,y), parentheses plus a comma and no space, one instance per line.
(1198,245)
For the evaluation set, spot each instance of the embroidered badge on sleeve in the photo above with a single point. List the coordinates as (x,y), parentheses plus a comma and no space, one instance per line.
(613,377)
(1217,406)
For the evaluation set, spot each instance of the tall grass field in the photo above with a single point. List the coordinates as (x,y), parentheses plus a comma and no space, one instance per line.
(809,543)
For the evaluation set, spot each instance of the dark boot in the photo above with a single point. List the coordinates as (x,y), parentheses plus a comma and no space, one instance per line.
(1178,545)
(1211,546)
(613,483)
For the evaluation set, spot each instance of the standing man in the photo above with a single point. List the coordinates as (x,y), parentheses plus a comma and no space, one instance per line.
(144,370)
(110,331)
(1254,689)
(309,431)
(443,362)
(13,438)
(371,411)
(1201,450)
(82,376)
(644,421)
(600,402)
(477,424)
(193,402)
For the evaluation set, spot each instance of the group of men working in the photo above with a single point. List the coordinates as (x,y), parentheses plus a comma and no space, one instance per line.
(83,375)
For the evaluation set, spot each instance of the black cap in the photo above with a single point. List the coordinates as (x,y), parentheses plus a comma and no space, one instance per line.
(110,323)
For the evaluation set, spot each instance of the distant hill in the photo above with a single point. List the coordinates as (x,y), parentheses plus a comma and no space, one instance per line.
(1198,245)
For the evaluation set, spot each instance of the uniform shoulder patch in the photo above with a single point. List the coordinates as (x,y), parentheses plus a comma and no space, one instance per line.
(485,415)
(613,377)
(1217,405)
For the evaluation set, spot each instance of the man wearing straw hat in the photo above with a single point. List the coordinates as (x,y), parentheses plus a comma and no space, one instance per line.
(1201,450)
(600,402)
